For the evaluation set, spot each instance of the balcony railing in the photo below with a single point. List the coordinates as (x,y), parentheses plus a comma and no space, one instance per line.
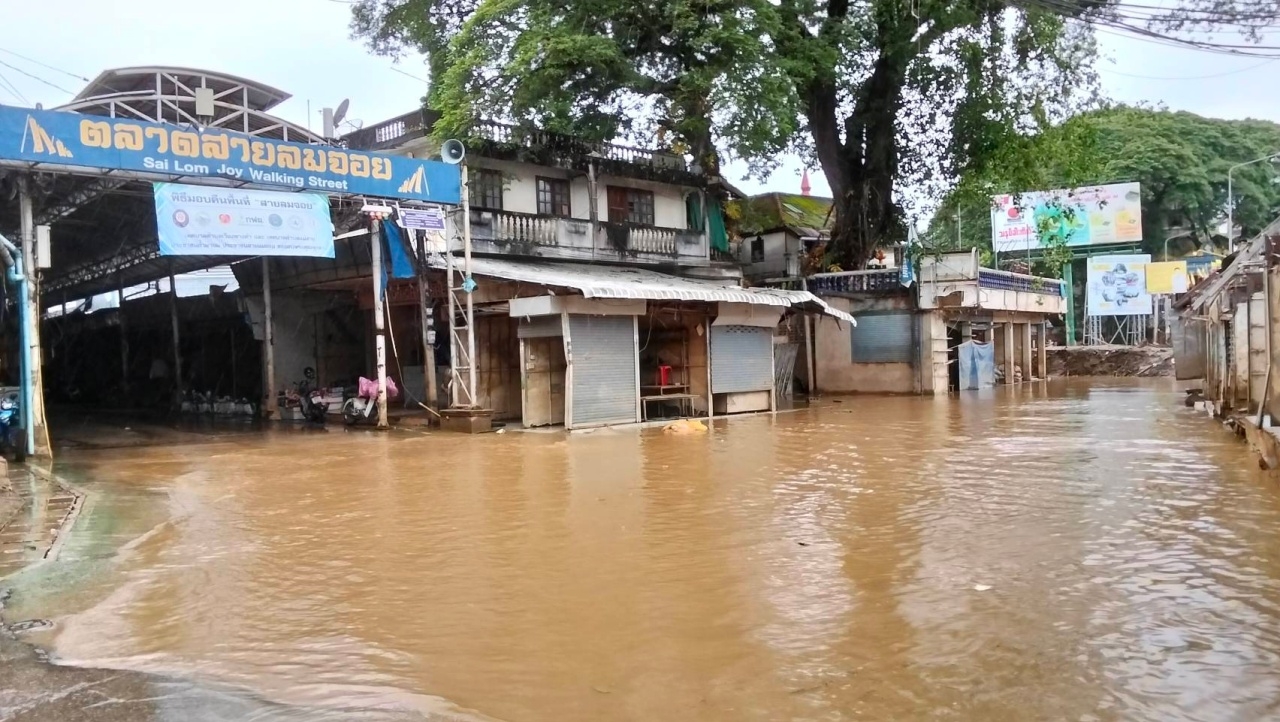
(390,133)
(526,228)
(568,148)
(1008,281)
(879,280)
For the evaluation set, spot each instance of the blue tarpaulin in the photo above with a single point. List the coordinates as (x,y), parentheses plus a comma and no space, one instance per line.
(397,253)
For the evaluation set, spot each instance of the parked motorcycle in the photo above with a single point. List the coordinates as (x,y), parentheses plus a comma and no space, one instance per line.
(311,399)
(364,405)
(12,436)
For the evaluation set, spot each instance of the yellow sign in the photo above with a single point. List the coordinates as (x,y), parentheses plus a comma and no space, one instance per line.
(1167,277)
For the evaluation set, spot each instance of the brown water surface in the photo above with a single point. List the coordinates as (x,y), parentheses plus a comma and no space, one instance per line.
(1081,552)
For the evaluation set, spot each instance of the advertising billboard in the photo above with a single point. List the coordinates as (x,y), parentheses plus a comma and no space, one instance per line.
(1167,277)
(1117,286)
(1089,216)
(207,221)
(174,152)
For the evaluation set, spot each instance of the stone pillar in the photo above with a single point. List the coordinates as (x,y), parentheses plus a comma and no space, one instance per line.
(1010,358)
(1025,329)
(1044,350)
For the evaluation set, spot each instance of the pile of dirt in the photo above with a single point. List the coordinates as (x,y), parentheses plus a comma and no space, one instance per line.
(1111,361)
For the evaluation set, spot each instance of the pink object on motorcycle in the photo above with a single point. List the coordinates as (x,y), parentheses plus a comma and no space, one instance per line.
(368,388)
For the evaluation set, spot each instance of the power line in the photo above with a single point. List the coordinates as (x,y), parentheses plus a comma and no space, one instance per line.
(1190,77)
(35,77)
(44,65)
(13,90)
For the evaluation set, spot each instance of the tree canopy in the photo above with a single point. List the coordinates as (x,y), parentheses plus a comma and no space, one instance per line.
(880,94)
(874,92)
(1181,160)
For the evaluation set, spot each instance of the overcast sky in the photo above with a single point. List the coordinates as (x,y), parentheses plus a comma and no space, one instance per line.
(303,48)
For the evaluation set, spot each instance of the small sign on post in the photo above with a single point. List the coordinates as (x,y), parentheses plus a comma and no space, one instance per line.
(425,219)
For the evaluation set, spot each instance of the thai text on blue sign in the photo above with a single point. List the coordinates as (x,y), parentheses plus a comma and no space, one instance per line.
(210,221)
(426,219)
(174,151)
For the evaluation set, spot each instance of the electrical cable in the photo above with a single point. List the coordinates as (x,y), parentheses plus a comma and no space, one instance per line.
(36,77)
(13,89)
(44,65)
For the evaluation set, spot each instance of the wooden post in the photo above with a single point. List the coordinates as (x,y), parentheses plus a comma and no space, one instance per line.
(177,339)
(811,364)
(427,321)
(379,322)
(268,344)
(124,338)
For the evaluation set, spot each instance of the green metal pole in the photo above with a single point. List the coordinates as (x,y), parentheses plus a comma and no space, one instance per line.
(1071,302)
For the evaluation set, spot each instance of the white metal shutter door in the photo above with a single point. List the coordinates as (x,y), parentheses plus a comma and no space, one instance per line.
(741,359)
(604,369)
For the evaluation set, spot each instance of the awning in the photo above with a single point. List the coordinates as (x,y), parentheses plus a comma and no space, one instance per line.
(596,281)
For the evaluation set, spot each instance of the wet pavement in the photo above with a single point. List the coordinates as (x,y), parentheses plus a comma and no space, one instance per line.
(1086,551)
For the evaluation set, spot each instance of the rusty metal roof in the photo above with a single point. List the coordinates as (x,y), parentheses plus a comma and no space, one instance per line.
(597,281)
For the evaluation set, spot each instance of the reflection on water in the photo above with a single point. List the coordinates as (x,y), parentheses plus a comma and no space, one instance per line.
(826,564)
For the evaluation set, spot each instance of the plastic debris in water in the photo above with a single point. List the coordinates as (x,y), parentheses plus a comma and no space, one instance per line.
(685,426)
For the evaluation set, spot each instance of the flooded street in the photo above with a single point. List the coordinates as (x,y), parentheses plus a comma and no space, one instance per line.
(1082,552)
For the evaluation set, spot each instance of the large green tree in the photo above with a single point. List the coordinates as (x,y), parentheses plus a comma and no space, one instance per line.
(877,93)
(1181,160)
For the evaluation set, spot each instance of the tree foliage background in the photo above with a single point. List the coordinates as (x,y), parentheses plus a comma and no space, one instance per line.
(894,100)
(1181,160)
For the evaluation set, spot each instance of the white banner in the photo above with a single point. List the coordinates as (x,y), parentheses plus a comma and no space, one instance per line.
(208,221)
(1117,286)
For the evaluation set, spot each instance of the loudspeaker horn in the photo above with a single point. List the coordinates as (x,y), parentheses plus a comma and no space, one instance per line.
(452,152)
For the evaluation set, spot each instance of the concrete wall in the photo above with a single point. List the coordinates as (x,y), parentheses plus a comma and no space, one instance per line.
(833,354)
(778,246)
(1273,393)
(324,331)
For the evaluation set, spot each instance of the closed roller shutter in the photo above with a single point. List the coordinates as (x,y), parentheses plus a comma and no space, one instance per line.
(604,369)
(882,338)
(741,359)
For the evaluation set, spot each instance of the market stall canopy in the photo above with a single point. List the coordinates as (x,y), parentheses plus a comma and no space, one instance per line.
(595,281)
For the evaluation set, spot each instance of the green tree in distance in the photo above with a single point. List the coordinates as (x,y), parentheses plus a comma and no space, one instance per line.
(1181,160)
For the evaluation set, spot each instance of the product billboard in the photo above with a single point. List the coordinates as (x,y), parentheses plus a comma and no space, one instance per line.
(1117,286)
(1089,216)
(1167,277)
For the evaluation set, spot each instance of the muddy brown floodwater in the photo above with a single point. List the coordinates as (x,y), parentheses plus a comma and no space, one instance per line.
(1081,552)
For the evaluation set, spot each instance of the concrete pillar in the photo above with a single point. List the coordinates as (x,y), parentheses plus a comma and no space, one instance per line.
(1010,358)
(1025,329)
(1044,350)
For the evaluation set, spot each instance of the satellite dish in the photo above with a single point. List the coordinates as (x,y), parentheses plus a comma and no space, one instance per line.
(341,112)
(452,152)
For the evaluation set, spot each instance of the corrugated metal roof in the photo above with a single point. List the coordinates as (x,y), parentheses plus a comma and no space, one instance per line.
(624,282)
(1251,253)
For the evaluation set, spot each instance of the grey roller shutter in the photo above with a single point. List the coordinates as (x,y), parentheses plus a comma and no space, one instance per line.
(741,359)
(604,369)
(882,338)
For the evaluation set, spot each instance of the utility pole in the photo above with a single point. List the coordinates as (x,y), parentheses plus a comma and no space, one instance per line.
(1231,198)
(37,423)
(379,321)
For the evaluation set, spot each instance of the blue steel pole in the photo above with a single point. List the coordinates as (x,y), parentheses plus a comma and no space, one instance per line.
(19,279)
